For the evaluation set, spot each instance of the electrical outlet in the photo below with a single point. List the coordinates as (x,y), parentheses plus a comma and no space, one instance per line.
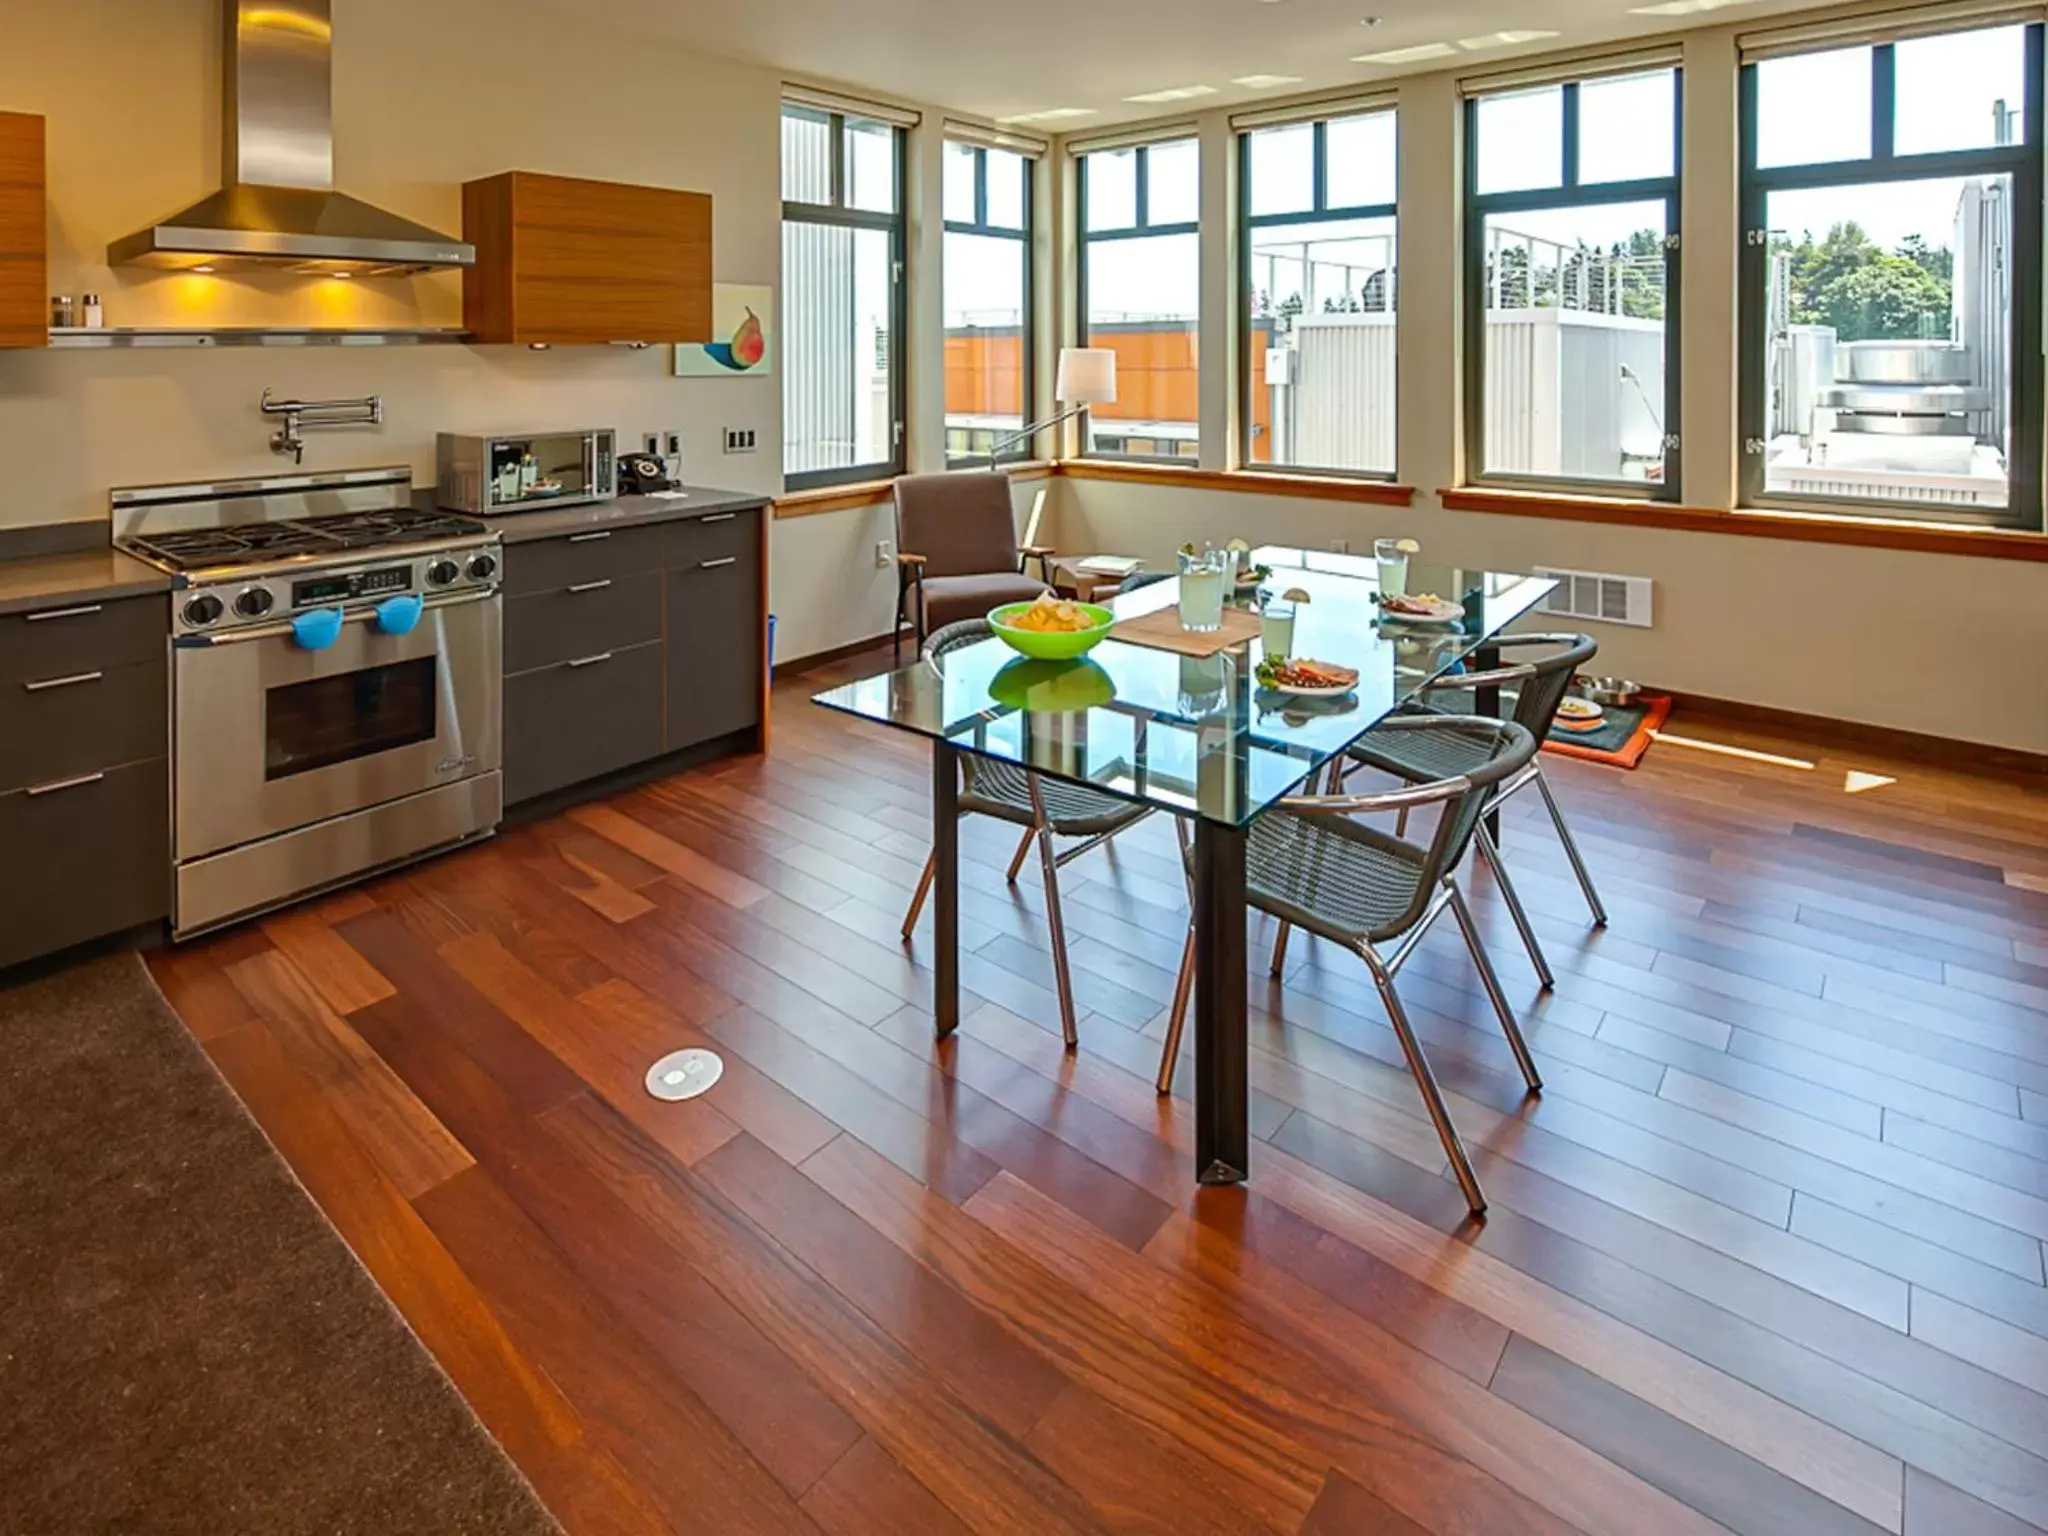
(739,440)
(885,554)
(1340,546)
(654,442)
(674,440)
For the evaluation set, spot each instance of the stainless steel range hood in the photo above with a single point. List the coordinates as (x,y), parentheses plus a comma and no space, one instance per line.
(279,207)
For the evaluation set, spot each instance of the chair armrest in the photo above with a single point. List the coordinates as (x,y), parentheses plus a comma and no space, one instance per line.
(903,558)
(1042,553)
(1407,798)
(1490,679)
(1036,551)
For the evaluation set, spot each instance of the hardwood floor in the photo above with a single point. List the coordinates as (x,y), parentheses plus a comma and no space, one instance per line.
(1766,1256)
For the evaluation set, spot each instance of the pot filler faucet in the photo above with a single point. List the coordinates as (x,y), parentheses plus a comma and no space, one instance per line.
(300,414)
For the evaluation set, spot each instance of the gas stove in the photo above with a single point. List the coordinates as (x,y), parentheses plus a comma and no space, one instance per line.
(258,552)
(337,665)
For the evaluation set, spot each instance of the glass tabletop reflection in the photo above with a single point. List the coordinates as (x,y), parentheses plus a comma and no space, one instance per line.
(1193,735)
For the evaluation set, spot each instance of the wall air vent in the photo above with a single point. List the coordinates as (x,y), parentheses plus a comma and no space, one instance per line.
(1602,598)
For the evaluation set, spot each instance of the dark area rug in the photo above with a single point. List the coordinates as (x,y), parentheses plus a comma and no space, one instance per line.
(186,1345)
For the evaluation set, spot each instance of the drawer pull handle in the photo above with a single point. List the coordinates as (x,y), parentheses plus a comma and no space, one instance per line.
(591,586)
(712,565)
(63,682)
(718,517)
(591,661)
(585,538)
(66,613)
(56,784)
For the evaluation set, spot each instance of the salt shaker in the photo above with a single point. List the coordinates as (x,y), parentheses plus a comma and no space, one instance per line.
(94,317)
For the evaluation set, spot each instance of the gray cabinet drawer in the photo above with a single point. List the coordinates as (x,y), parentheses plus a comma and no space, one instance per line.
(690,541)
(606,613)
(715,639)
(547,565)
(569,723)
(55,727)
(82,862)
(68,638)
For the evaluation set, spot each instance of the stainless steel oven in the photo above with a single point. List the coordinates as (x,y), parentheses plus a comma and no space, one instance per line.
(298,768)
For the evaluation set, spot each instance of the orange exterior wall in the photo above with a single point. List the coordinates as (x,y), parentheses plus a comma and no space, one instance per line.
(1156,376)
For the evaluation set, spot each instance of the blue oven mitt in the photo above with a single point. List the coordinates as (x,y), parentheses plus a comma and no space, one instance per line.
(317,628)
(399,615)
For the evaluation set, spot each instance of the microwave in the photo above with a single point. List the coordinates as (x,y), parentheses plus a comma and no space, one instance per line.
(524,472)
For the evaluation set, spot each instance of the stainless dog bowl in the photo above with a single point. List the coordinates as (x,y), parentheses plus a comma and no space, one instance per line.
(1618,692)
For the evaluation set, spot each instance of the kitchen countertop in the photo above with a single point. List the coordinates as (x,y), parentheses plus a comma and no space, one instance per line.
(90,576)
(624,512)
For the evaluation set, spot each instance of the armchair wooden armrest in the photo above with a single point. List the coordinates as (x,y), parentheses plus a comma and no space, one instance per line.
(1042,553)
(903,558)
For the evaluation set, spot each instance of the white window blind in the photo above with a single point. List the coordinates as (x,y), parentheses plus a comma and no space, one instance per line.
(984,137)
(851,106)
(1352,105)
(1565,71)
(1883,27)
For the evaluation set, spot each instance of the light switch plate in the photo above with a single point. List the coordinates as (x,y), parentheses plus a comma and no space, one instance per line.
(739,440)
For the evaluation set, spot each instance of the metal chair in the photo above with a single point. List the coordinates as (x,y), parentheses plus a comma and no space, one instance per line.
(1420,756)
(1044,808)
(1307,863)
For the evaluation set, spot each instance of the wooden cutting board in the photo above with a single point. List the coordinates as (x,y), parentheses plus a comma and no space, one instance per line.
(1161,631)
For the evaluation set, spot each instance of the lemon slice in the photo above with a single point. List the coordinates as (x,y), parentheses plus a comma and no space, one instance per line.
(1408,547)
(1295,595)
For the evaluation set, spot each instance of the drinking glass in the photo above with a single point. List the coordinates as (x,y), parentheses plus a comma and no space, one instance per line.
(1393,567)
(1203,580)
(1276,629)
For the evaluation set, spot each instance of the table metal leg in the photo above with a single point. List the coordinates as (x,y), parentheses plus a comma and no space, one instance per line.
(1222,1108)
(1486,701)
(945,887)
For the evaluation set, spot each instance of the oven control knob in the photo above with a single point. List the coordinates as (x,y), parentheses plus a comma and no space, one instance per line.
(483,567)
(254,603)
(442,572)
(203,609)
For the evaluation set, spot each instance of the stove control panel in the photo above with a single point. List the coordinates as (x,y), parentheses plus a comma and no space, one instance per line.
(328,591)
(272,598)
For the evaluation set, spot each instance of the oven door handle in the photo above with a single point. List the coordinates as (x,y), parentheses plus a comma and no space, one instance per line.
(349,616)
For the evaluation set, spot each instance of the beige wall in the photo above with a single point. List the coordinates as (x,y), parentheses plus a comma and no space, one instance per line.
(1944,644)
(426,96)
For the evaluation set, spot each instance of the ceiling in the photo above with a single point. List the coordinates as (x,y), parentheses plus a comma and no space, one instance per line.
(1000,59)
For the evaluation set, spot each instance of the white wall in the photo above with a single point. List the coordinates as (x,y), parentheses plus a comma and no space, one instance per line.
(1944,644)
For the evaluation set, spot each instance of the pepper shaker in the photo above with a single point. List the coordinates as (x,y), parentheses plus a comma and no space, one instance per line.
(61,312)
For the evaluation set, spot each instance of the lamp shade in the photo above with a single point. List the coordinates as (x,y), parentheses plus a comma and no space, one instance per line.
(1087,376)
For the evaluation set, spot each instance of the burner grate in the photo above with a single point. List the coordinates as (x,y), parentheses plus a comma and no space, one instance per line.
(253,543)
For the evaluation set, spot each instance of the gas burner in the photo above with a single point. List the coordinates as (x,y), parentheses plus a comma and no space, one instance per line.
(336,533)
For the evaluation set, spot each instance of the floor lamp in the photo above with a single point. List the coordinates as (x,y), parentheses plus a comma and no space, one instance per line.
(1087,376)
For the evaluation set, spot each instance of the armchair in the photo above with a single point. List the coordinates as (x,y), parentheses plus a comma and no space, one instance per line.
(957,551)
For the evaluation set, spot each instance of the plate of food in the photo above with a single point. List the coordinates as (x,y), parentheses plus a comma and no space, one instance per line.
(1306,678)
(1420,608)
(1051,628)
(1579,712)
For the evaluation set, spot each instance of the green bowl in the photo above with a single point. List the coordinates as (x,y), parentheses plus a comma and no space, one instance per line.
(1044,645)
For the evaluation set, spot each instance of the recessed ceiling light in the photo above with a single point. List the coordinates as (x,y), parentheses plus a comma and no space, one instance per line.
(1265,82)
(1680,7)
(1049,115)
(1368,21)
(1173,93)
(1503,39)
(202,269)
(1413,55)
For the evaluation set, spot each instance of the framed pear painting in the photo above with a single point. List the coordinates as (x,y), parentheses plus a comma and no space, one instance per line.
(742,345)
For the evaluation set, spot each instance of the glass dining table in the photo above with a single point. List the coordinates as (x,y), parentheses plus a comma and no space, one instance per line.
(1197,737)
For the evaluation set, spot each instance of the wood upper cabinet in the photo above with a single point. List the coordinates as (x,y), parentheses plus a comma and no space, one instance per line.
(564,260)
(24,263)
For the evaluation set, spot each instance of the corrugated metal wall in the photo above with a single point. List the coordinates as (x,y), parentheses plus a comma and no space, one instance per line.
(819,344)
(1343,401)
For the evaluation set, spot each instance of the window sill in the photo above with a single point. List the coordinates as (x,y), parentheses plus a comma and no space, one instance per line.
(1256,481)
(1804,527)
(867,493)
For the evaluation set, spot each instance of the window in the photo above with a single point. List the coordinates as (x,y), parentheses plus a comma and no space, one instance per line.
(1140,292)
(842,297)
(1319,294)
(1891,277)
(1571,272)
(988,302)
